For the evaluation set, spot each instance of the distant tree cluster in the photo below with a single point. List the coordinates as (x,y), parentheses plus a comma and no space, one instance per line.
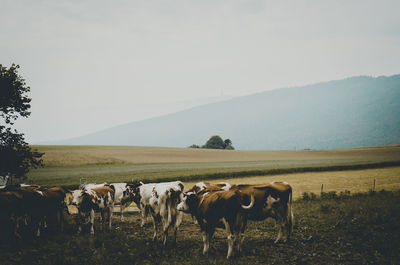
(216,142)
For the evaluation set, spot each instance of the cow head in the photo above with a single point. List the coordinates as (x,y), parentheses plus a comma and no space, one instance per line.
(76,197)
(188,202)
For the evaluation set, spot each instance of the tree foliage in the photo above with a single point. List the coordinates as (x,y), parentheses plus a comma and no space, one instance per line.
(16,156)
(216,142)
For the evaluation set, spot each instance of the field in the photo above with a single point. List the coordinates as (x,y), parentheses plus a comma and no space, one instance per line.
(358,229)
(66,165)
(337,229)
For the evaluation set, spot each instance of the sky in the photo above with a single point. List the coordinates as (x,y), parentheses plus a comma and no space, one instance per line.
(95,64)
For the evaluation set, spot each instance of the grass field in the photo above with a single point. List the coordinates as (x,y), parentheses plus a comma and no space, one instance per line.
(66,165)
(358,229)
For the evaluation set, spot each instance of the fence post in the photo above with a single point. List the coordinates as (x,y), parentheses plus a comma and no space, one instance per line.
(322,189)
(373,189)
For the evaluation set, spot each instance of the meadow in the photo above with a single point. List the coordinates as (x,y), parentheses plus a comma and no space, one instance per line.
(66,165)
(349,224)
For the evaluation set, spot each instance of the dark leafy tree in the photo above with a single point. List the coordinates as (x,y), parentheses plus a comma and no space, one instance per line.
(216,142)
(16,156)
(227,142)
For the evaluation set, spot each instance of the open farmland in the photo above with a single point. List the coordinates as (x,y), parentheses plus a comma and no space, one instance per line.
(358,229)
(65,165)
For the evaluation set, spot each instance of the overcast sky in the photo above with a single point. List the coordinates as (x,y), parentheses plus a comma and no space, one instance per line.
(95,64)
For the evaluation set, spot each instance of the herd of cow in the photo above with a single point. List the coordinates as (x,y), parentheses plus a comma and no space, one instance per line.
(212,205)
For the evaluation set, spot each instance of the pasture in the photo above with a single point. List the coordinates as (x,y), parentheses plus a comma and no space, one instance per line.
(357,229)
(65,165)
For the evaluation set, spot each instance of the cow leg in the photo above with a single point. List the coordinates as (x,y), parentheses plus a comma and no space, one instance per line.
(231,240)
(80,221)
(122,208)
(110,214)
(102,218)
(166,220)
(92,222)
(240,239)
(206,243)
(37,224)
(207,236)
(289,224)
(144,211)
(44,222)
(177,224)
(155,227)
(60,219)
(281,229)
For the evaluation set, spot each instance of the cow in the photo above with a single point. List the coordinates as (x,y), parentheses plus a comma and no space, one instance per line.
(123,193)
(201,187)
(211,207)
(10,211)
(100,199)
(271,200)
(52,205)
(161,200)
(40,203)
(32,204)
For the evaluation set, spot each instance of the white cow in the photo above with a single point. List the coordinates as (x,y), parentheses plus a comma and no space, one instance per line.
(161,200)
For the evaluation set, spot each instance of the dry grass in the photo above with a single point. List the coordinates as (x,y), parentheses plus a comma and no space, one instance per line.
(352,180)
(66,165)
(89,155)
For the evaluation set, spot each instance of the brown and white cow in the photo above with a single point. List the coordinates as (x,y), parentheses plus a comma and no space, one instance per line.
(271,200)
(211,207)
(88,202)
(123,193)
(161,200)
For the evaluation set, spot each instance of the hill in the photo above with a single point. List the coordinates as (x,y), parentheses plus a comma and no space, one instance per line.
(358,111)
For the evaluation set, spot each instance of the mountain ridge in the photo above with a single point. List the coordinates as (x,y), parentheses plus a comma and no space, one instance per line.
(352,112)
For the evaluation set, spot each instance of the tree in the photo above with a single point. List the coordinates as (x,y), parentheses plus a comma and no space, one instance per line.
(227,142)
(16,156)
(216,142)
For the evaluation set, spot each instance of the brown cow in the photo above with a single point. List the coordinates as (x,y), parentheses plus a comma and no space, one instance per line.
(209,208)
(10,211)
(271,200)
(52,205)
(39,203)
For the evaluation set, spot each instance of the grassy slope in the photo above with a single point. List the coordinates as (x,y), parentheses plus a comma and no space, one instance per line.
(65,165)
(359,229)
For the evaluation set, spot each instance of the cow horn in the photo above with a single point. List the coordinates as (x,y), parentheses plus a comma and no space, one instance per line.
(248,207)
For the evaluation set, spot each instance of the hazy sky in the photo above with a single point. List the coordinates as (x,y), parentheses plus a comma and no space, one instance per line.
(94,64)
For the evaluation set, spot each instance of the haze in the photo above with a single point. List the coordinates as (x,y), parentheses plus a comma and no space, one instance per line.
(95,64)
